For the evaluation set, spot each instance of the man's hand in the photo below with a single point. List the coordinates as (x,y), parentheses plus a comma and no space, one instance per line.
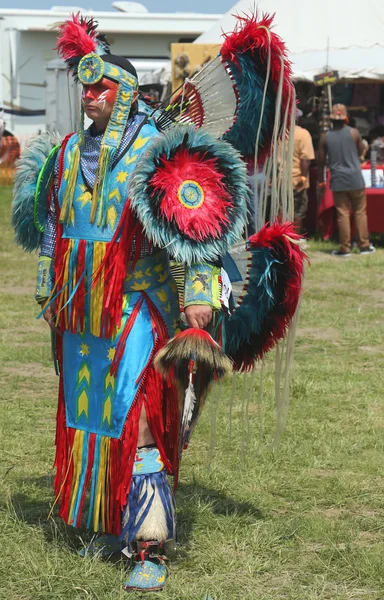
(50,316)
(300,186)
(198,315)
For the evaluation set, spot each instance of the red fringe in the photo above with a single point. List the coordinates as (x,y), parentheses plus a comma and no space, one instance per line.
(114,268)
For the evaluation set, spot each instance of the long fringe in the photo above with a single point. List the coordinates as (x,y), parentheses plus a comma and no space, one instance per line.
(101,187)
(89,462)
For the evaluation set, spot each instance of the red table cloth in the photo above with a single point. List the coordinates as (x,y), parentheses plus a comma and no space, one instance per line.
(327,213)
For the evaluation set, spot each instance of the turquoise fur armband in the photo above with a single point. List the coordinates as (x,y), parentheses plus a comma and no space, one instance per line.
(202,285)
(45,278)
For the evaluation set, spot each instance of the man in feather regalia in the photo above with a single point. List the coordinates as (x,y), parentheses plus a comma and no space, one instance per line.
(108,207)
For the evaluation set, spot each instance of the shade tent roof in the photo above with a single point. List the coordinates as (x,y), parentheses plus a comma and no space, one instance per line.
(354,32)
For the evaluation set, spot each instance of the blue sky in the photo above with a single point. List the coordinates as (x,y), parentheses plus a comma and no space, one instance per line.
(204,6)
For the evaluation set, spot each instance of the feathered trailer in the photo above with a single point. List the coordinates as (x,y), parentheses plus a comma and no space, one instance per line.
(246,97)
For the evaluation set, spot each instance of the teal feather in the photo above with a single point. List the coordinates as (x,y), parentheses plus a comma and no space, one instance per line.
(28,169)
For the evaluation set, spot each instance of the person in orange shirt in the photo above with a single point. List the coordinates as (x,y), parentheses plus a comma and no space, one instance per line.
(303,153)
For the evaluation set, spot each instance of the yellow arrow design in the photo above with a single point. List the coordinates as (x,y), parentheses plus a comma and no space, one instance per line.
(162,295)
(130,160)
(112,216)
(115,194)
(162,277)
(126,96)
(107,411)
(82,404)
(113,72)
(109,382)
(84,373)
(140,143)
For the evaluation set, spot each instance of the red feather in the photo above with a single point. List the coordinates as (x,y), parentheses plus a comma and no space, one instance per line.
(77,37)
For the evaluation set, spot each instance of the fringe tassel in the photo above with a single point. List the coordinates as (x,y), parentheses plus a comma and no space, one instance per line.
(101,187)
(98,464)
(92,275)
(67,207)
(97,291)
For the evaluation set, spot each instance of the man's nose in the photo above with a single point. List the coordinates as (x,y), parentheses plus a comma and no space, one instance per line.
(87,93)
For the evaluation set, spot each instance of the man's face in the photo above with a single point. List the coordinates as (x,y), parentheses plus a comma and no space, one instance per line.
(98,99)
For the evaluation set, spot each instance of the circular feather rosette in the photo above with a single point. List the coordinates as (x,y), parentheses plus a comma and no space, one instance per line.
(189,191)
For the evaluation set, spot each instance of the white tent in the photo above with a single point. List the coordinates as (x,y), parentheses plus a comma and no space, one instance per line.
(352,30)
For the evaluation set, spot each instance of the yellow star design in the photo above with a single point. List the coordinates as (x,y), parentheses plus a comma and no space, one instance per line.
(141,286)
(84,350)
(162,295)
(139,274)
(122,176)
(111,353)
(113,135)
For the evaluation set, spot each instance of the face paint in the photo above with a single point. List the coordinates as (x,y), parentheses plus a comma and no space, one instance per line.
(99,98)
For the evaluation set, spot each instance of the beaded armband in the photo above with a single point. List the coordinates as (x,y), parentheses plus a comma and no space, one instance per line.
(202,285)
(45,278)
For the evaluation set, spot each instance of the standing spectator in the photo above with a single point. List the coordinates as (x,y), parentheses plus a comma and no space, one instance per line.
(303,153)
(343,146)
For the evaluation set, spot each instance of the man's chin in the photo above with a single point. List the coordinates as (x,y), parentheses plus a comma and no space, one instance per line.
(91,112)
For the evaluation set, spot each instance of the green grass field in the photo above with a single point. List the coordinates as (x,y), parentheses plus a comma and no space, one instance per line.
(303,523)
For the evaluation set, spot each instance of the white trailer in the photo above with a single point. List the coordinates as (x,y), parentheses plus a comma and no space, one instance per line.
(34,91)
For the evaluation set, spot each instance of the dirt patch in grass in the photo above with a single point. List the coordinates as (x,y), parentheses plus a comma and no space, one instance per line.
(28,370)
(374,294)
(372,349)
(18,290)
(321,472)
(328,334)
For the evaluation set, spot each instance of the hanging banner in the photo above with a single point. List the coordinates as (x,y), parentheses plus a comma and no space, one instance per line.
(188,59)
(328,78)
